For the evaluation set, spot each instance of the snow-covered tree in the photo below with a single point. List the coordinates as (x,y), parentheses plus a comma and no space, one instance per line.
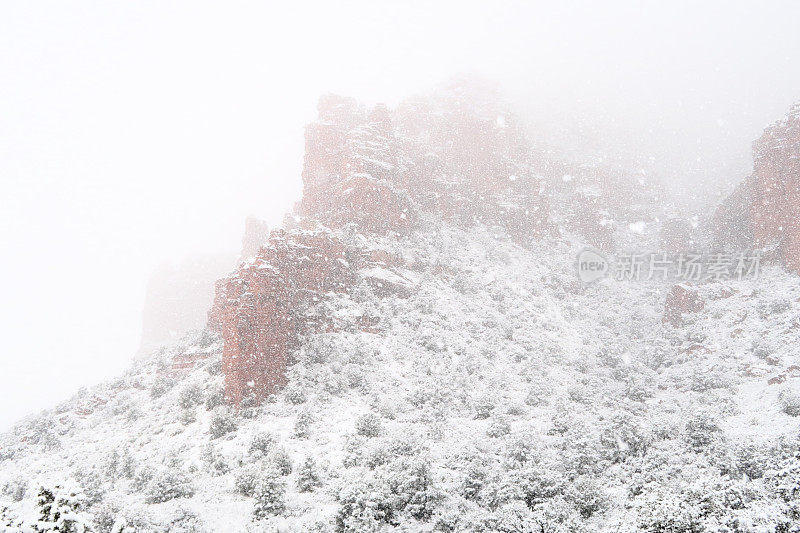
(270,495)
(307,475)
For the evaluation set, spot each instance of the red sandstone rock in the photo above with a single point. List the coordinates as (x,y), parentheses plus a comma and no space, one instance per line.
(257,305)
(256,233)
(457,161)
(458,157)
(681,299)
(763,211)
(777,380)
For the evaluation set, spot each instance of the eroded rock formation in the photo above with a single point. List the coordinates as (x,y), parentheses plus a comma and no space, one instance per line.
(256,234)
(456,156)
(681,299)
(764,211)
(256,308)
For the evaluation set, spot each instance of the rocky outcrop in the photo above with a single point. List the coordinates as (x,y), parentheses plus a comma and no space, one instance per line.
(263,308)
(776,188)
(680,300)
(256,234)
(764,211)
(256,308)
(455,156)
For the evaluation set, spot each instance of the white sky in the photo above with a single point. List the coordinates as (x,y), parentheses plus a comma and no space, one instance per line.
(136,132)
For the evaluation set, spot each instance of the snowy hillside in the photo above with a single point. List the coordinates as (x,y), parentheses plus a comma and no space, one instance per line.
(497,394)
(416,351)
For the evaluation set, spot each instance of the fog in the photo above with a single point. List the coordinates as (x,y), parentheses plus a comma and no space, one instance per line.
(136,133)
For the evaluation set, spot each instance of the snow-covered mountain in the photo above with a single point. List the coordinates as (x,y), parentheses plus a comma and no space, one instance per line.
(415,351)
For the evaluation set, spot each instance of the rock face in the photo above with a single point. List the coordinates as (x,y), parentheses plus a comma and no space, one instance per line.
(256,308)
(776,188)
(457,155)
(454,156)
(681,299)
(256,234)
(764,211)
(677,236)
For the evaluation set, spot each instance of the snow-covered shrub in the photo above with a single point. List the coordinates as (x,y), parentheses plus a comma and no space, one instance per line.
(184,521)
(790,402)
(541,483)
(246,480)
(127,464)
(369,425)
(751,460)
(9,521)
(515,409)
(499,428)
(261,443)
(142,477)
(667,512)
(537,395)
(214,368)
(187,416)
(161,385)
(775,307)
(93,484)
(623,437)
(521,449)
(190,396)
(62,510)
(222,423)
(701,430)
(169,484)
(354,450)
(638,390)
(280,460)
(44,431)
(704,381)
(484,405)
(215,398)
(16,489)
(307,475)
(410,482)
(214,461)
(380,496)
(475,476)
(585,495)
(295,394)
(105,517)
(302,424)
(763,348)
(365,505)
(354,376)
(249,407)
(270,495)
(579,393)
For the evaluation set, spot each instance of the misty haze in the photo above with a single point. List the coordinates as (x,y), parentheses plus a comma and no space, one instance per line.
(420,267)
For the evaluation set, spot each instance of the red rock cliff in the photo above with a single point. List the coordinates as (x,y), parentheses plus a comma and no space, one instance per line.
(457,157)
(764,211)
(255,308)
(776,188)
